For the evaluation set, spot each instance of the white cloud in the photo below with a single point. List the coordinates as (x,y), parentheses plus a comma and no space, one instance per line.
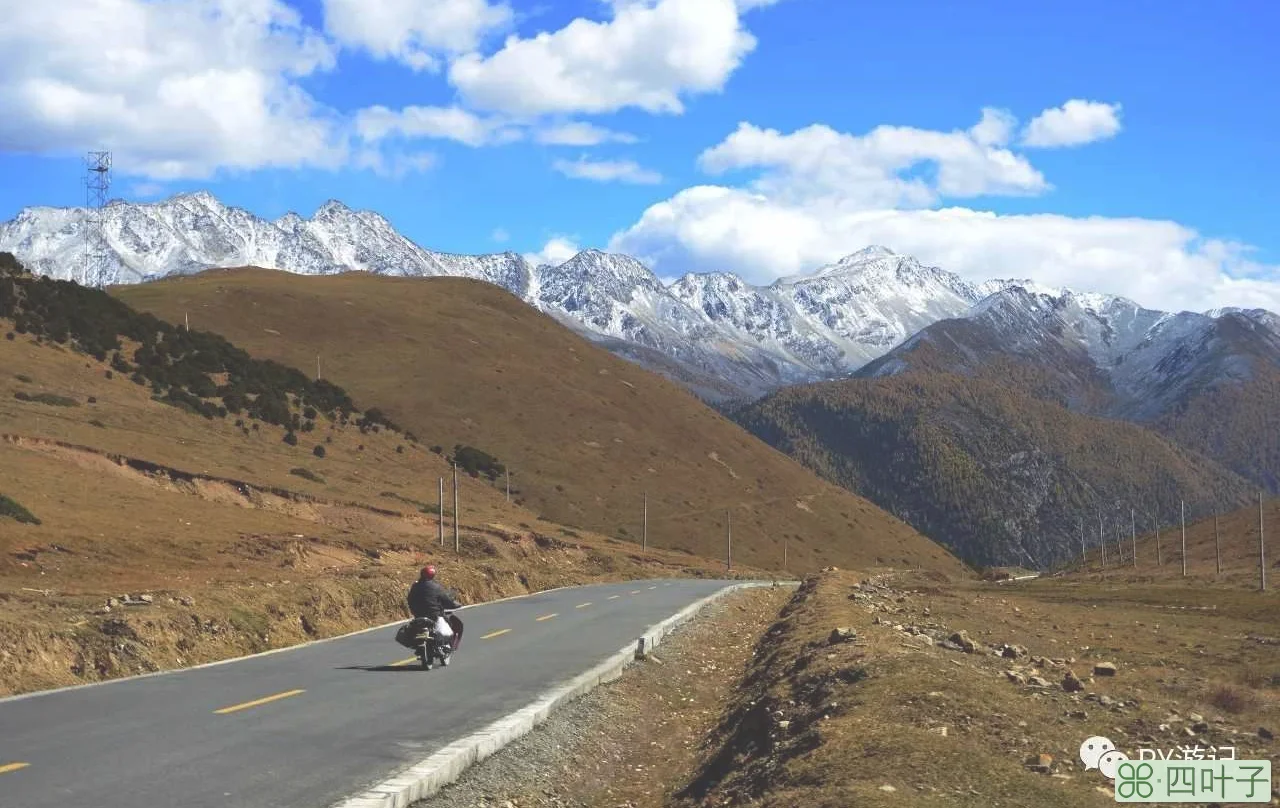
(607,171)
(500,235)
(174,90)
(648,55)
(872,169)
(449,123)
(1073,124)
(556,251)
(393,164)
(820,195)
(995,128)
(414,32)
(580,133)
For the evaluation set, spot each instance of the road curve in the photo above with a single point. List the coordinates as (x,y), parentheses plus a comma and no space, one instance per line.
(312,725)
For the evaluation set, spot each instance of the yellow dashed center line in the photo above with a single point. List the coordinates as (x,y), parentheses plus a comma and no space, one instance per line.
(258,702)
(12,767)
(582,605)
(547,617)
(498,633)
(404,662)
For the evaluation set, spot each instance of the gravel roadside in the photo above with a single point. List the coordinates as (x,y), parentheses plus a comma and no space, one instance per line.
(633,742)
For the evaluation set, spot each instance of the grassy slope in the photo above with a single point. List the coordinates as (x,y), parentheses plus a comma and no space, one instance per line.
(584,432)
(993,473)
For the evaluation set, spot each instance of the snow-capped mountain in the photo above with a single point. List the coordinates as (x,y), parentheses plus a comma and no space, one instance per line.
(725,337)
(1104,354)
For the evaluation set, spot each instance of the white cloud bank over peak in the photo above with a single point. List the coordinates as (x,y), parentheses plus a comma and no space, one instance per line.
(1075,123)
(416,33)
(181,90)
(607,171)
(819,195)
(556,251)
(648,55)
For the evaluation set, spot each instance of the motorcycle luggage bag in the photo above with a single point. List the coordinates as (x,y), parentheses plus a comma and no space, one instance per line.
(409,635)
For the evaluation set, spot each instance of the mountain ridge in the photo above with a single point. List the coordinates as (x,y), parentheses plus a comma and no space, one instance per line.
(731,339)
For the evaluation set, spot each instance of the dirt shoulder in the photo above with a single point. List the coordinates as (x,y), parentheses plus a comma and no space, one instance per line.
(899,690)
(634,741)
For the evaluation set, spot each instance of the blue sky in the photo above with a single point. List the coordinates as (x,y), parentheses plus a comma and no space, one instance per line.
(760,136)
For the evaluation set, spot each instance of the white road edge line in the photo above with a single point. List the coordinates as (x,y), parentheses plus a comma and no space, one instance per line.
(300,646)
(427,778)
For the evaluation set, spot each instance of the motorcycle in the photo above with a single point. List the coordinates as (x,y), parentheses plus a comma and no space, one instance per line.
(420,635)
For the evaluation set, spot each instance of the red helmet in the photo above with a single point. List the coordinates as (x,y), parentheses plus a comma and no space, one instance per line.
(428,572)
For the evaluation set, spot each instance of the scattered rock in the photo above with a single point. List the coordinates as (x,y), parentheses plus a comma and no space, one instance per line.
(888,789)
(1016,677)
(1199,727)
(187,601)
(1195,718)
(1104,669)
(1071,683)
(1041,763)
(939,731)
(1038,681)
(962,639)
(1079,715)
(842,634)
(1266,734)
(147,598)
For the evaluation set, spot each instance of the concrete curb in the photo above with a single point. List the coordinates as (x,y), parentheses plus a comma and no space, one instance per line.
(427,778)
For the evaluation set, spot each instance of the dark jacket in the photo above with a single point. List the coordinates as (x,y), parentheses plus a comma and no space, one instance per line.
(428,599)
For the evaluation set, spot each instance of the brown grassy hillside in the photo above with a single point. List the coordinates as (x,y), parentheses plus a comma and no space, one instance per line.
(585,433)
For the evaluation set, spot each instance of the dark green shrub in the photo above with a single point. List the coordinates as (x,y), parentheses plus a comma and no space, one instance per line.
(306,474)
(13,510)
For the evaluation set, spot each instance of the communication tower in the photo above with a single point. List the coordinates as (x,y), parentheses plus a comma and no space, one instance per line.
(97,182)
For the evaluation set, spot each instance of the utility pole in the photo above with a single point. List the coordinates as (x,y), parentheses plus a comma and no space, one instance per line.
(1159,558)
(1184,537)
(1133,535)
(1119,542)
(440,521)
(508,471)
(728,540)
(644,533)
(186,322)
(1102,541)
(1217,545)
(784,553)
(456,542)
(317,367)
(1262,547)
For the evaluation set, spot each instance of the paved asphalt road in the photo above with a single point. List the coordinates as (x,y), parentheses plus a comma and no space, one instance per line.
(345,717)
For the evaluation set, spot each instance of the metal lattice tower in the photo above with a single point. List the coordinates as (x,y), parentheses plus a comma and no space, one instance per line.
(97,182)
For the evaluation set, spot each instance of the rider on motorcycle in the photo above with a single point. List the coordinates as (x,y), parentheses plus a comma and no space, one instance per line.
(428,601)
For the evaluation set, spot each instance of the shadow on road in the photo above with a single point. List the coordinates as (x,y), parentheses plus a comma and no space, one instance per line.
(383,668)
